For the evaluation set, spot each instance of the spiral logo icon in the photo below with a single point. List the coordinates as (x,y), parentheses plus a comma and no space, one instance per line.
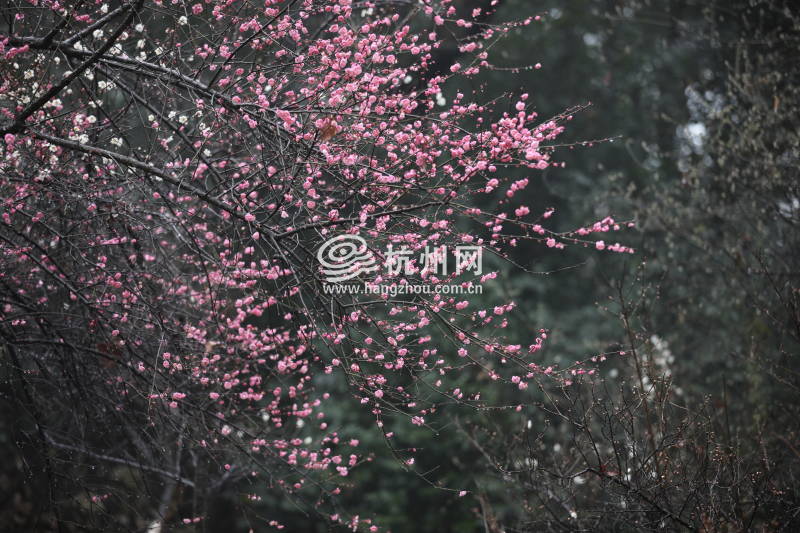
(345,257)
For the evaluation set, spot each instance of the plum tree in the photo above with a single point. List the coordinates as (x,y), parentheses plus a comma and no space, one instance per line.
(170,170)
